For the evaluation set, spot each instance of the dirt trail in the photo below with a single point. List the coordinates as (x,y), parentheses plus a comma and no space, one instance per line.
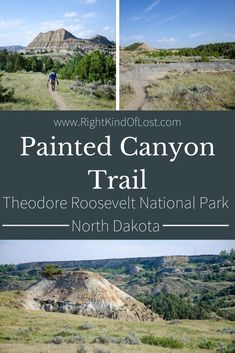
(141,75)
(58,100)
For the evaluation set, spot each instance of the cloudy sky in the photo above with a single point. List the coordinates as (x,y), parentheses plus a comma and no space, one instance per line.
(172,23)
(21,21)
(20,251)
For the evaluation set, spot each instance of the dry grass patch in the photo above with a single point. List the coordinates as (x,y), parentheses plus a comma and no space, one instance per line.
(194,91)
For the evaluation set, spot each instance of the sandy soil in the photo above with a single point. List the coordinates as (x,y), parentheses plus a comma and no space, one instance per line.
(141,75)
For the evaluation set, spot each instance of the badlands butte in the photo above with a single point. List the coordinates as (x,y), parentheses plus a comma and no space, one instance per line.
(85,293)
(160,304)
(63,42)
(85,68)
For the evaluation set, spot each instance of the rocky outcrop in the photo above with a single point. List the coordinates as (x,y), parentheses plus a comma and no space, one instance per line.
(134,270)
(85,293)
(62,41)
(101,40)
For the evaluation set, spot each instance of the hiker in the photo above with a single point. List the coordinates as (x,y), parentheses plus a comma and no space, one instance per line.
(52,79)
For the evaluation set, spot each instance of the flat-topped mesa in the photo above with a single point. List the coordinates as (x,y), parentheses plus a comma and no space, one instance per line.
(62,41)
(85,293)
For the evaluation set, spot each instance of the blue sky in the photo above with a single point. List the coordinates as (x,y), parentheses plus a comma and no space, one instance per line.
(19,251)
(177,23)
(22,20)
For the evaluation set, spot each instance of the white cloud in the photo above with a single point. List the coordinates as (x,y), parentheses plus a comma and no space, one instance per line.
(9,24)
(88,33)
(52,25)
(152,5)
(91,1)
(136,18)
(168,19)
(106,28)
(167,40)
(197,34)
(70,14)
(89,15)
(150,18)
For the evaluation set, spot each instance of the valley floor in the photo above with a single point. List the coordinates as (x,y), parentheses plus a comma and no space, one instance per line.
(41,332)
(178,86)
(31,93)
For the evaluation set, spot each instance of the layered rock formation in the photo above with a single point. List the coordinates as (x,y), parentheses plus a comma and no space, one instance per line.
(62,41)
(85,293)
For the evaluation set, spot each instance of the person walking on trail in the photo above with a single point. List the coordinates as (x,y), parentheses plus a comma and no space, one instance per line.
(52,80)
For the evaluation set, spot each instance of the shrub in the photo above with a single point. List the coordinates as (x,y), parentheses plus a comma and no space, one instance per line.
(81,349)
(193,97)
(6,94)
(76,339)
(103,340)
(51,270)
(96,89)
(228,330)
(205,59)
(65,333)
(223,348)
(207,344)
(132,339)
(127,89)
(105,91)
(162,341)
(56,340)
(86,326)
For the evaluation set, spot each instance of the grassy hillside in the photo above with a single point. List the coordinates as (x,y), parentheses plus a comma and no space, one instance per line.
(133,46)
(40,332)
(202,53)
(31,93)
(195,287)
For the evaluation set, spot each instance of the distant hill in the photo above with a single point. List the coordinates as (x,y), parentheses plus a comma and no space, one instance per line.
(12,48)
(62,41)
(101,40)
(139,47)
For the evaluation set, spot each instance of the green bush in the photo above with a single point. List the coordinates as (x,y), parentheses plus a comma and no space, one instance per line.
(207,344)
(51,270)
(6,94)
(162,341)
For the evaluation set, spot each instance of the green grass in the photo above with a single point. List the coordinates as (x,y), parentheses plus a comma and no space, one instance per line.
(78,101)
(31,93)
(148,57)
(168,342)
(31,331)
(176,91)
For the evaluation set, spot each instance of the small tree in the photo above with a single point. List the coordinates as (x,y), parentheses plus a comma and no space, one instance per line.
(51,270)
(6,94)
(20,63)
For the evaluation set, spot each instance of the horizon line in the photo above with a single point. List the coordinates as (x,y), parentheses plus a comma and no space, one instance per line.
(117,258)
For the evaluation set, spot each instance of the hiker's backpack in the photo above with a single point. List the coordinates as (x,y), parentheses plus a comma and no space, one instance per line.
(52,76)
